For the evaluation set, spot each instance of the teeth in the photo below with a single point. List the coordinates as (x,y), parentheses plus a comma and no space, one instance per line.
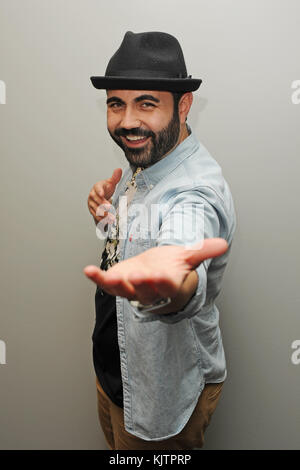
(135,138)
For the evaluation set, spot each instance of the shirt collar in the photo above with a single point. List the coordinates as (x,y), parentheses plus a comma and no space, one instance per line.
(153,174)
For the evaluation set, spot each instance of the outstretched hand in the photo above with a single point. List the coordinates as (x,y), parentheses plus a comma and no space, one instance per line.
(156,273)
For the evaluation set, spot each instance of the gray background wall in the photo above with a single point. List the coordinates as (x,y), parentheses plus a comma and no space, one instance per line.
(54,146)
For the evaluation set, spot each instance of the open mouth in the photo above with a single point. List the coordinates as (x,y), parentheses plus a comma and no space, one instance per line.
(135,141)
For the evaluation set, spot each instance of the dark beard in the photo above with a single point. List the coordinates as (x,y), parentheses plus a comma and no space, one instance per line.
(154,150)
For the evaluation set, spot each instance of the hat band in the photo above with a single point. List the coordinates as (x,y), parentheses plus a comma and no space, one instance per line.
(138,73)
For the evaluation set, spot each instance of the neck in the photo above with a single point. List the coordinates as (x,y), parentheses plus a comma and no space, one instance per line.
(184,133)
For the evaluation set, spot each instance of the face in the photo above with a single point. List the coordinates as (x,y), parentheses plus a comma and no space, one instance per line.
(143,123)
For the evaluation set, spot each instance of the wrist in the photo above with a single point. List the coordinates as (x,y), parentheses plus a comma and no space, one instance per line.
(183,296)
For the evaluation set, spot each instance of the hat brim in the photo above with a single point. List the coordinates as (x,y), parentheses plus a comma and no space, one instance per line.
(159,84)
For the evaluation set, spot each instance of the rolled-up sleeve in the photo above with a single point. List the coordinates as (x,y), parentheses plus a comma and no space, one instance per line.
(190,219)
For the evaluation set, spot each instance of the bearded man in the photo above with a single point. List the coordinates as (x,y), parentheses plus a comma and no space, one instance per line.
(168,221)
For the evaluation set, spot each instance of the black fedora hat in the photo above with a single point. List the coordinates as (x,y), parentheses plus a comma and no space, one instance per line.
(147,61)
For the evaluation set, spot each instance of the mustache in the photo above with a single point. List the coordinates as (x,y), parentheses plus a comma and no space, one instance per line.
(136,132)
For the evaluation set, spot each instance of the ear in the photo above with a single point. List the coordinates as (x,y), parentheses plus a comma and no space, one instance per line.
(184,106)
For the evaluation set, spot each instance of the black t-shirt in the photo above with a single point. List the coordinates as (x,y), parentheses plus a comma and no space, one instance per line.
(106,353)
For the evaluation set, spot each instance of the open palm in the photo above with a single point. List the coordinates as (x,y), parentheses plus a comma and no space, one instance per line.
(155,273)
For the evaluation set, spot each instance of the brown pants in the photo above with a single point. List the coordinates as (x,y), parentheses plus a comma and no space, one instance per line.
(112,422)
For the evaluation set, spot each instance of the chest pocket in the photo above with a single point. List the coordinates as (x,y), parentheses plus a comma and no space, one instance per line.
(138,240)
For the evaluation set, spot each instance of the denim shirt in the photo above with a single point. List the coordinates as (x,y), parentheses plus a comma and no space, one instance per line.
(166,359)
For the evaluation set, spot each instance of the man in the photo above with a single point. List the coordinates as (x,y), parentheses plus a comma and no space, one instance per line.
(169,221)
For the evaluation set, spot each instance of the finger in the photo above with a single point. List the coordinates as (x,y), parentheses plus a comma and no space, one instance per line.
(95,197)
(116,176)
(100,214)
(208,248)
(98,277)
(119,286)
(95,274)
(93,213)
(103,209)
(109,185)
(99,189)
(145,289)
(108,189)
(95,216)
(113,283)
(97,219)
(92,205)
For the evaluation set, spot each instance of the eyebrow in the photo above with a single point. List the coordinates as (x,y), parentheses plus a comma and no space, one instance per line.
(136,100)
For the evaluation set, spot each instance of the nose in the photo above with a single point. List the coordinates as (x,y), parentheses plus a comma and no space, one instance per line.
(129,119)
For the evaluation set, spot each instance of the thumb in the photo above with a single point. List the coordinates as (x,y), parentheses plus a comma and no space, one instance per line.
(116,176)
(208,248)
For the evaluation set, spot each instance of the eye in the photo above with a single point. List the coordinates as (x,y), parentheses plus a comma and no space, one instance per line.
(146,105)
(114,105)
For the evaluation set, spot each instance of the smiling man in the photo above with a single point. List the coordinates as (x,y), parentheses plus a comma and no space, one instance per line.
(157,346)
(157,111)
